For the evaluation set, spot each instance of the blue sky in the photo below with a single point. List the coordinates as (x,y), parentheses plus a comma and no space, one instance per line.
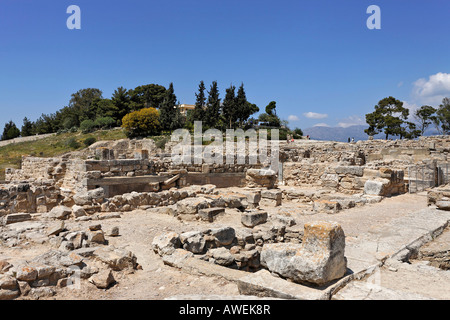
(316,59)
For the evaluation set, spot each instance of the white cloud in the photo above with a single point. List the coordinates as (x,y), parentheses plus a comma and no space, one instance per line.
(321,125)
(293,118)
(351,121)
(314,115)
(432,90)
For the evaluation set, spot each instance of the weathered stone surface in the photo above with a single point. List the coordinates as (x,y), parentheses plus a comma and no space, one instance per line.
(208,214)
(326,206)
(221,256)
(4,266)
(8,294)
(96,236)
(223,236)
(78,211)
(319,259)
(103,279)
(443,205)
(251,219)
(177,257)
(42,292)
(60,212)
(193,241)
(87,197)
(166,243)
(375,187)
(7,282)
(26,273)
(16,217)
(192,205)
(113,232)
(116,259)
(58,259)
(271,198)
(56,228)
(350,170)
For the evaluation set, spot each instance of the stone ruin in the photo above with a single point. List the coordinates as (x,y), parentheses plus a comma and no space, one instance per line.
(109,179)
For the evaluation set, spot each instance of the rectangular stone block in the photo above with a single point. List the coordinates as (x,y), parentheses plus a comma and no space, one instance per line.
(251,219)
(209,213)
(17,217)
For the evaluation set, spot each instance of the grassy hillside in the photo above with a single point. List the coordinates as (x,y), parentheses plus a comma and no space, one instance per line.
(10,155)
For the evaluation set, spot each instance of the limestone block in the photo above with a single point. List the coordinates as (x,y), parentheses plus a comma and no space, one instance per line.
(193,241)
(376,187)
(326,206)
(16,217)
(166,243)
(319,259)
(350,170)
(253,218)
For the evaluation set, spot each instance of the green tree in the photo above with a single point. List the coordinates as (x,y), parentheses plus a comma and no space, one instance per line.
(199,112)
(443,116)
(212,113)
(229,110)
(270,118)
(104,122)
(27,128)
(46,123)
(244,108)
(121,99)
(87,125)
(10,131)
(424,116)
(147,96)
(389,115)
(168,117)
(297,133)
(82,103)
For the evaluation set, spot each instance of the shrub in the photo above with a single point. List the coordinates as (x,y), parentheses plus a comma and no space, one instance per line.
(142,123)
(87,126)
(89,140)
(104,122)
(298,133)
(161,143)
(72,143)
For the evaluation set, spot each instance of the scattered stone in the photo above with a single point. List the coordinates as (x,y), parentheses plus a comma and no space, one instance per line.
(166,243)
(95,227)
(114,232)
(96,236)
(193,241)
(16,217)
(223,236)
(443,205)
(116,259)
(252,218)
(60,212)
(26,273)
(9,294)
(103,280)
(56,228)
(78,211)
(221,256)
(208,214)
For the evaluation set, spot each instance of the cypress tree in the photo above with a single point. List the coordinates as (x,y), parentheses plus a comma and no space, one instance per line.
(199,112)
(213,106)
(229,109)
(168,110)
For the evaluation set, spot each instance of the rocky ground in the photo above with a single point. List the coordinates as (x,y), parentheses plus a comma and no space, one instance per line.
(371,235)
